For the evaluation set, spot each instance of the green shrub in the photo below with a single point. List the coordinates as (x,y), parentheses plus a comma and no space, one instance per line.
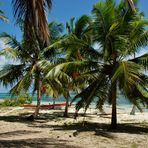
(22,99)
(9,102)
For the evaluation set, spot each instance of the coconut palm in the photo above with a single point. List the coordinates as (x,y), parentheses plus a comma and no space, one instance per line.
(118,34)
(56,82)
(81,29)
(26,72)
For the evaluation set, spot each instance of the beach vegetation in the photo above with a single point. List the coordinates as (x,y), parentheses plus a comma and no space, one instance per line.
(26,72)
(79,28)
(31,16)
(19,101)
(119,33)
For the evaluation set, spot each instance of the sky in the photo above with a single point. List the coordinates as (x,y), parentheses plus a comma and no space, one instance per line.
(62,11)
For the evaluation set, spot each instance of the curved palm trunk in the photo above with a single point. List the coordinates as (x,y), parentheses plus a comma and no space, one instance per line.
(133,110)
(114,109)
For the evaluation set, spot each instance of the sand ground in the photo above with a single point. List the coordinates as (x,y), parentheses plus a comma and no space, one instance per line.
(51,130)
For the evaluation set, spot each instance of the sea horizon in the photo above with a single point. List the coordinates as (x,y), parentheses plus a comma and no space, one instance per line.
(122,102)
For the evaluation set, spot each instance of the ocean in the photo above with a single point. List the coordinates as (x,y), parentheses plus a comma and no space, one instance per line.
(121,100)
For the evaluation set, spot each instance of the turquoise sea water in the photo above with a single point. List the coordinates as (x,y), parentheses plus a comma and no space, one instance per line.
(47,99)
(44,99)
(121,100)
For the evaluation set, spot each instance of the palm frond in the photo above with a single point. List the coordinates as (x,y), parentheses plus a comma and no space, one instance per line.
(142,60)
(81,25)
(23,84)
(33,14)
(10,74)
(56,30)
(3,17)
(128,74)
(94,91)
(10,40)
(9,53)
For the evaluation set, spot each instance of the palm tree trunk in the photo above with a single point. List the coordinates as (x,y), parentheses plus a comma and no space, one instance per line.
(38,99)
(134,106)
(66,107)
(114,109)
(38,103)
(53,103)
(133,110)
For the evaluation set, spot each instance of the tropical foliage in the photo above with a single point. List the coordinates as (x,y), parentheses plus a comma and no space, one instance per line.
(26,72)
(118,33)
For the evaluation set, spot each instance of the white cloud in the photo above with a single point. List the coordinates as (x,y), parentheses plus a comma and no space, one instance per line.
(142,51)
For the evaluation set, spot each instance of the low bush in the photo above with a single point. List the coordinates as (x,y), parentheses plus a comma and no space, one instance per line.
(20,100)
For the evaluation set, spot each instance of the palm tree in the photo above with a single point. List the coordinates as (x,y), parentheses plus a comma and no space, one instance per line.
(33,14)
(26,72)
(118,34)
(117,41)
(81,29)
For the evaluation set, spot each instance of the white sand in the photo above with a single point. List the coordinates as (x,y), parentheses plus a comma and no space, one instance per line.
(53,131)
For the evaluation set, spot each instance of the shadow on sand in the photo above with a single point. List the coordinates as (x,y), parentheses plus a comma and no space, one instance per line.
(35,143)
(100,129)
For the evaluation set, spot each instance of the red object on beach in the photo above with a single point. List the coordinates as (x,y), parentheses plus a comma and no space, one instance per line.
(49,106)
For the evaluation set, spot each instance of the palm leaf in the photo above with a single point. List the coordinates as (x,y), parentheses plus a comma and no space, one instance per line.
(142,60)
(93,91)
(10,74)
(128,74)
(23,84)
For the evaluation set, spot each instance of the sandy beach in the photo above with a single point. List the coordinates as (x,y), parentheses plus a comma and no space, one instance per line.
(51,130)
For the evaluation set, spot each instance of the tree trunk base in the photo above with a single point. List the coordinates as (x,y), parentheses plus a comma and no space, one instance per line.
(112,126)
(30,118)
(133,110)
(65,115)
(75,115)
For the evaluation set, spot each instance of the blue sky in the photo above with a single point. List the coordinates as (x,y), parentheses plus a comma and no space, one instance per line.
(62,11)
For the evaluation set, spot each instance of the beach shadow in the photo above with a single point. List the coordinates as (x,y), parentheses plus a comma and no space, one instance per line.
(36,142)
(12,118)
(17,133)
(100,129)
